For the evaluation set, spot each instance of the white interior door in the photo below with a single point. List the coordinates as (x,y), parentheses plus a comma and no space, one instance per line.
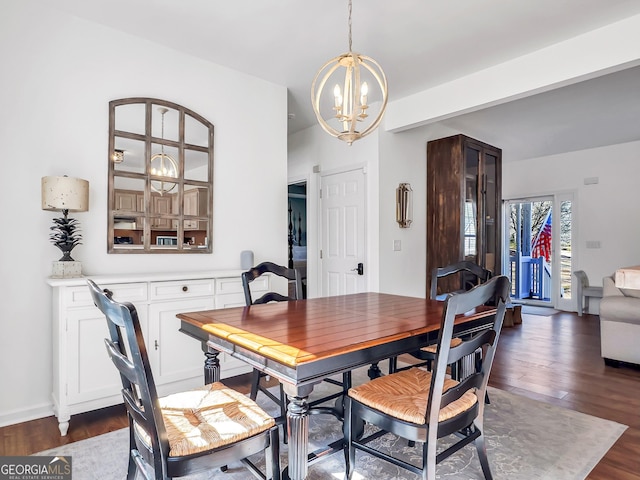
(343,233)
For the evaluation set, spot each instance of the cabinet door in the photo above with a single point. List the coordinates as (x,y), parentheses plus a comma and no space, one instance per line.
(126,201)
(192,207)
(492,211)
(482,203)
(174,356)
(161,205)
(472,225)
(140,202)
(91,374)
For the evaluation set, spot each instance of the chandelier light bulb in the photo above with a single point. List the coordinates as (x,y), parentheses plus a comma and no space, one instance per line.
(337,96)
(364,90)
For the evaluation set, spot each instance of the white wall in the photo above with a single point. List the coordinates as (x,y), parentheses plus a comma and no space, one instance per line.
(59,73)
(607,212)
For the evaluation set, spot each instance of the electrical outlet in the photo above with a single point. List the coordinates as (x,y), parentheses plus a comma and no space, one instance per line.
(593,243)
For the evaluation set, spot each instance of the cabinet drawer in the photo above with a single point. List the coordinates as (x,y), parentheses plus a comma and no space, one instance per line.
(234,285)
(230,300)
(123,292)
(181,289)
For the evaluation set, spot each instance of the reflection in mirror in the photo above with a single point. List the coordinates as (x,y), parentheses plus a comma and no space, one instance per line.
(160,178)
(163,166)
(128,212)
(165,123)
(131,118)
(195,132)
(196,165)
(131,155)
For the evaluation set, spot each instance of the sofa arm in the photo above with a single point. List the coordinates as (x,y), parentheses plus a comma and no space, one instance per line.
(609,288)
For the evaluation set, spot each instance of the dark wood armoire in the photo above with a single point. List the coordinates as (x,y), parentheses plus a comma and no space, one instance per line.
(464,205)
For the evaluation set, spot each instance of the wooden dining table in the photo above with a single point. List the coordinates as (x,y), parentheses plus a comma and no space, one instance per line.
(303,342)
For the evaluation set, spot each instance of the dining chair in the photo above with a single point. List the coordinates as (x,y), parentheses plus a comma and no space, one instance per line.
(294,293)
(186,432)
(424,406)
(294,290)
(470,275)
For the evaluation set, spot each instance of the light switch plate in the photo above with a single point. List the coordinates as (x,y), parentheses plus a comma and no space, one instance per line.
(397,245)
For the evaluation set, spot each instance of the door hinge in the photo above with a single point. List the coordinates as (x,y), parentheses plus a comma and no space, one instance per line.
(320,254)
(320,193)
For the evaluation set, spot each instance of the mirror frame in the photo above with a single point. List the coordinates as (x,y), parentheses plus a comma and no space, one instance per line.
(144,215)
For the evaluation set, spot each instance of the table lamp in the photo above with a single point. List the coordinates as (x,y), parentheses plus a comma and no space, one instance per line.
(65,194)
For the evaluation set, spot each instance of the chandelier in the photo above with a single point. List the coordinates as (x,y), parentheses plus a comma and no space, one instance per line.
(348,104)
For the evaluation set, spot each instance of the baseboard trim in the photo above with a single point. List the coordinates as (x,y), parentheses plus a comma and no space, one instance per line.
(26,415)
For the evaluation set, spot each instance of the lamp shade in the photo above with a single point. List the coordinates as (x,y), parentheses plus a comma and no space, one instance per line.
(65,193)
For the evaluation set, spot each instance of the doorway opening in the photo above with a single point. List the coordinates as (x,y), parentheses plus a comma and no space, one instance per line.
(537,229)
(297,230)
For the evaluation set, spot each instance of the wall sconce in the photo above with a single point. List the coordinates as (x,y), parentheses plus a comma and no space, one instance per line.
(65,194)
(118,156)
(404,205)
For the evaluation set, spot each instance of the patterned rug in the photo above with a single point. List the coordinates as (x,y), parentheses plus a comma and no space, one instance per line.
(526,440)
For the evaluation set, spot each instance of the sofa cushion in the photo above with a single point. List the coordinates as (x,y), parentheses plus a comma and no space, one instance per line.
(620,309)
(630,292)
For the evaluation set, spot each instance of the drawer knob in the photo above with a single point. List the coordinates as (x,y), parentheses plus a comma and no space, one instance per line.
(185,288)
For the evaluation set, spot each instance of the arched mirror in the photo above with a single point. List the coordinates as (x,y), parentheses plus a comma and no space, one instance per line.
(160,178)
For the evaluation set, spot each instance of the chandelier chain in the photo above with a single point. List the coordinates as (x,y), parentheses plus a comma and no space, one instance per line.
(162,112)
(350,40)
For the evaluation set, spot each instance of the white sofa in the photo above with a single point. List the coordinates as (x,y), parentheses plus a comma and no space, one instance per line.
(619,323)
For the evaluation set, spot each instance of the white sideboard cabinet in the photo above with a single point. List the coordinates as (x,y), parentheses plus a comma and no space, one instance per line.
(83,376)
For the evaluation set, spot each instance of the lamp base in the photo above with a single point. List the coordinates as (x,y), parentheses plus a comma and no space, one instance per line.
(66,269)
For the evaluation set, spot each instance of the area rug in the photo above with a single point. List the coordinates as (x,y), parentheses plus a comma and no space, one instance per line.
(526,440)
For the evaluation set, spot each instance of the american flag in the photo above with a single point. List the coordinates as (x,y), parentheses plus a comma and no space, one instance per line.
(542,244)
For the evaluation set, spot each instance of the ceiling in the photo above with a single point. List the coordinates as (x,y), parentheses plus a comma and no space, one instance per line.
(419,44)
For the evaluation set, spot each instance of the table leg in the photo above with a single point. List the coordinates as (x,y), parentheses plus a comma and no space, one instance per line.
(211,364)
(298,430)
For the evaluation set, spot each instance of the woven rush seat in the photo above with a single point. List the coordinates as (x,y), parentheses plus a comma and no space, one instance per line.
(404,395)
(432,348)
(208,417)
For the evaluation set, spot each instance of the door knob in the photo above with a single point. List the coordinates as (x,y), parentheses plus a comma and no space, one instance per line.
(359,269)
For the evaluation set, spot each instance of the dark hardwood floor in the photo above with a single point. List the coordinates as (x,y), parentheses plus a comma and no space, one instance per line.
(553,359)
